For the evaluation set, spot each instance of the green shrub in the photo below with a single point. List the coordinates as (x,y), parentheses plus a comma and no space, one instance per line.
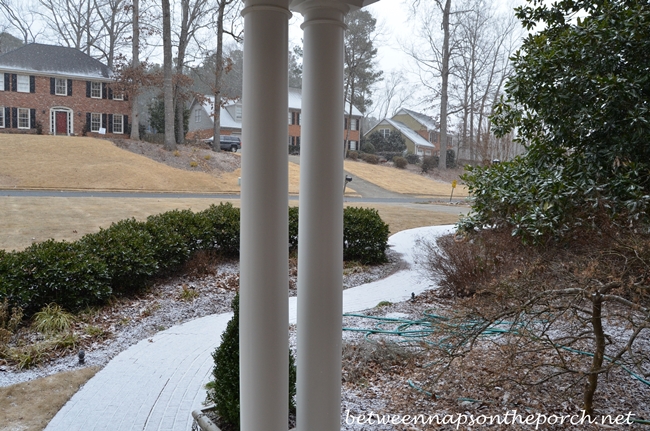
(53,271)
(451,159)
(170,248)
(429,163)
(413,159)
(367,147)
(223,391)
(400,162)
(184,223)
(219,229)
(293,229)
(127,249)
(365,235)
(371,158)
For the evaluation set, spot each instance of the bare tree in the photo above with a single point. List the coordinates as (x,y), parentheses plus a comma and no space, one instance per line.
(393,94)
(20,16)
(486,41)
(433,58)
(115,23)
(168,86)
(224,8)
(73,22)
(135,63)
(194,18)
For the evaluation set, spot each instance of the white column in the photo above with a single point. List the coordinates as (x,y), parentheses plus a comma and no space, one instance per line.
(264,280)
(320,250)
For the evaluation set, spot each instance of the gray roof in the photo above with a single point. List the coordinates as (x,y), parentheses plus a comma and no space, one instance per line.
(225,119)
(423,119)
(410,134)
(54,60)
(295,102)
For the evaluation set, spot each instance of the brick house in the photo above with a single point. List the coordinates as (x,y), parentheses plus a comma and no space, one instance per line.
(201,120)
(59,91)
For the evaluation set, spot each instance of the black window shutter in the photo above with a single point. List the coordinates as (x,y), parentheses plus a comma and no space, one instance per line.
(52,85)
(88,93)
(32,84)
(88,121)
(14,82)
(293,118)
(298,140)
(32,118)
(345,124)
(7,117)
(7,81)
(126,96)
(14,118)
(104,92)
(110,93)
(125,124)
(69,87)
(104,121)
(110,123)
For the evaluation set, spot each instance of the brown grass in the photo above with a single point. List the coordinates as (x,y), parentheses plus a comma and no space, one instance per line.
(25,220)
(58,162)
(25,408)
(401,181)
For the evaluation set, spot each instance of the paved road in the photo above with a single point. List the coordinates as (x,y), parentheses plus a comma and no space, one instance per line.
(364,188)
(155,384)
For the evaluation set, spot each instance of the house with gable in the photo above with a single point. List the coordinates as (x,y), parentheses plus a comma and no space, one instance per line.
(420,131)
(59,91)
(202,120)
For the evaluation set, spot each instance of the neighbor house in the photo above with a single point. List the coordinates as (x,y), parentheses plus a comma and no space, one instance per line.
(420,131)
(202,120)
(59,91)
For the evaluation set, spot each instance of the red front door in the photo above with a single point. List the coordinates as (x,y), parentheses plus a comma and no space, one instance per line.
(61,123)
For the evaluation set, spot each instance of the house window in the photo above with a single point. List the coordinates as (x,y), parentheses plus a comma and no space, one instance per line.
(23,118)
(384,132)
(118,123)
(420,151)
(61,87)
(290,115)
(118,96)
(2,81)
(96,90)
(353,124)
(2,117)
(238,113)
(427,152)
(353,145)
(23,83)
(197,115)
(95,121)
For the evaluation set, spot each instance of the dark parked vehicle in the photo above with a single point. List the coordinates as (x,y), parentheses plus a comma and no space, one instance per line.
(227,143)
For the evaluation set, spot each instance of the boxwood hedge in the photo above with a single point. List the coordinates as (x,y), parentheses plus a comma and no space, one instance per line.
(123,258)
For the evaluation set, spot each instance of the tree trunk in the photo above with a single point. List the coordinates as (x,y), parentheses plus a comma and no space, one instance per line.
(444,95)
(216,128)
(168,88)
(597,361)
(135,113)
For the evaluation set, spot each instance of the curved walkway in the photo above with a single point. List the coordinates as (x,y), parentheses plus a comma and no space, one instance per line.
(155,384)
